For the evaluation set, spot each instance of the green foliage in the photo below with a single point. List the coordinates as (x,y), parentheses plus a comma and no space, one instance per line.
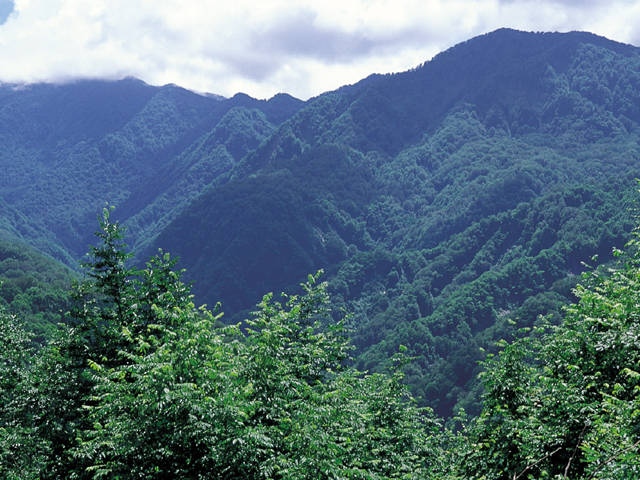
(167,406)
(144,384)
(111,279)
(564,401)
(33,287)
(192,400)
(20,455)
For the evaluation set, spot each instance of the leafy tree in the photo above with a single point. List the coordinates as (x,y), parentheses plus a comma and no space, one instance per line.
(315,417)
(192,400)
(564,402)
(21,451)
(167,408)
(59,386)
(111,280)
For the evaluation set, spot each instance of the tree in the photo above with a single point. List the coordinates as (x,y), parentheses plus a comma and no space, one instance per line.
(21,451)
(565,401)
(312,415)
(197,400)
(53,396)
(106,301)
(155,398)
(168,408)
(142,384)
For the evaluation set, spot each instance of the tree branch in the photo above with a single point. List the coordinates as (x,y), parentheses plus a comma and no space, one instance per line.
(533,465)
(575,450)
(611,458)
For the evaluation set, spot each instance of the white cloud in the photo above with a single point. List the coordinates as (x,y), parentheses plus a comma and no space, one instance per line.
(261,48)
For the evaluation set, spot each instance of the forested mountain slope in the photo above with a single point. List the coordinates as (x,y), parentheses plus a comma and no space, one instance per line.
(33,288)
(443,202)
(448,205)
(68,149)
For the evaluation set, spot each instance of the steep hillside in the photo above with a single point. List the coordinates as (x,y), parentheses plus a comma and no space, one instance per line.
(449,205)
(68,149)
(33,287)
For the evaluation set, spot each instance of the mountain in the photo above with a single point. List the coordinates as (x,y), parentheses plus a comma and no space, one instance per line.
(443,202)
(449,205)
(68,149)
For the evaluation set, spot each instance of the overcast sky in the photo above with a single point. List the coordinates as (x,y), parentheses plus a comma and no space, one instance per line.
(262,47)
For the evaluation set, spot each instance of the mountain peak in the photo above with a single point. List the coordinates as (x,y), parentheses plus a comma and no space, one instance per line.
(514,43)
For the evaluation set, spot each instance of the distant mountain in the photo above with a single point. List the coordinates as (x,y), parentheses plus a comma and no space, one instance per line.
(449,205)
(68,149)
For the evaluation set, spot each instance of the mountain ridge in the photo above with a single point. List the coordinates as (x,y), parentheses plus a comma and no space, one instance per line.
(442,202)
(524,138)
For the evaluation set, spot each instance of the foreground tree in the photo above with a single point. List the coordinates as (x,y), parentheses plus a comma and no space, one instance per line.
(142,384)
(314,417)
(564,402)
(164,410)
(22,451)
(195,400)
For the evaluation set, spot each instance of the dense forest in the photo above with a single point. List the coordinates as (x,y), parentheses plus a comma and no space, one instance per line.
(139,383)
(452,210)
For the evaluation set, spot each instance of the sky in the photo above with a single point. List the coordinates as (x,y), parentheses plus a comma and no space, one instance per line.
(265,47)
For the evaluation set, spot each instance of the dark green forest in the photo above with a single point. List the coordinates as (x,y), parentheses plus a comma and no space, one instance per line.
(452,210)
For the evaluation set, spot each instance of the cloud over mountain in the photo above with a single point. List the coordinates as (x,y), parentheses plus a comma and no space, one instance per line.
(272,46)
